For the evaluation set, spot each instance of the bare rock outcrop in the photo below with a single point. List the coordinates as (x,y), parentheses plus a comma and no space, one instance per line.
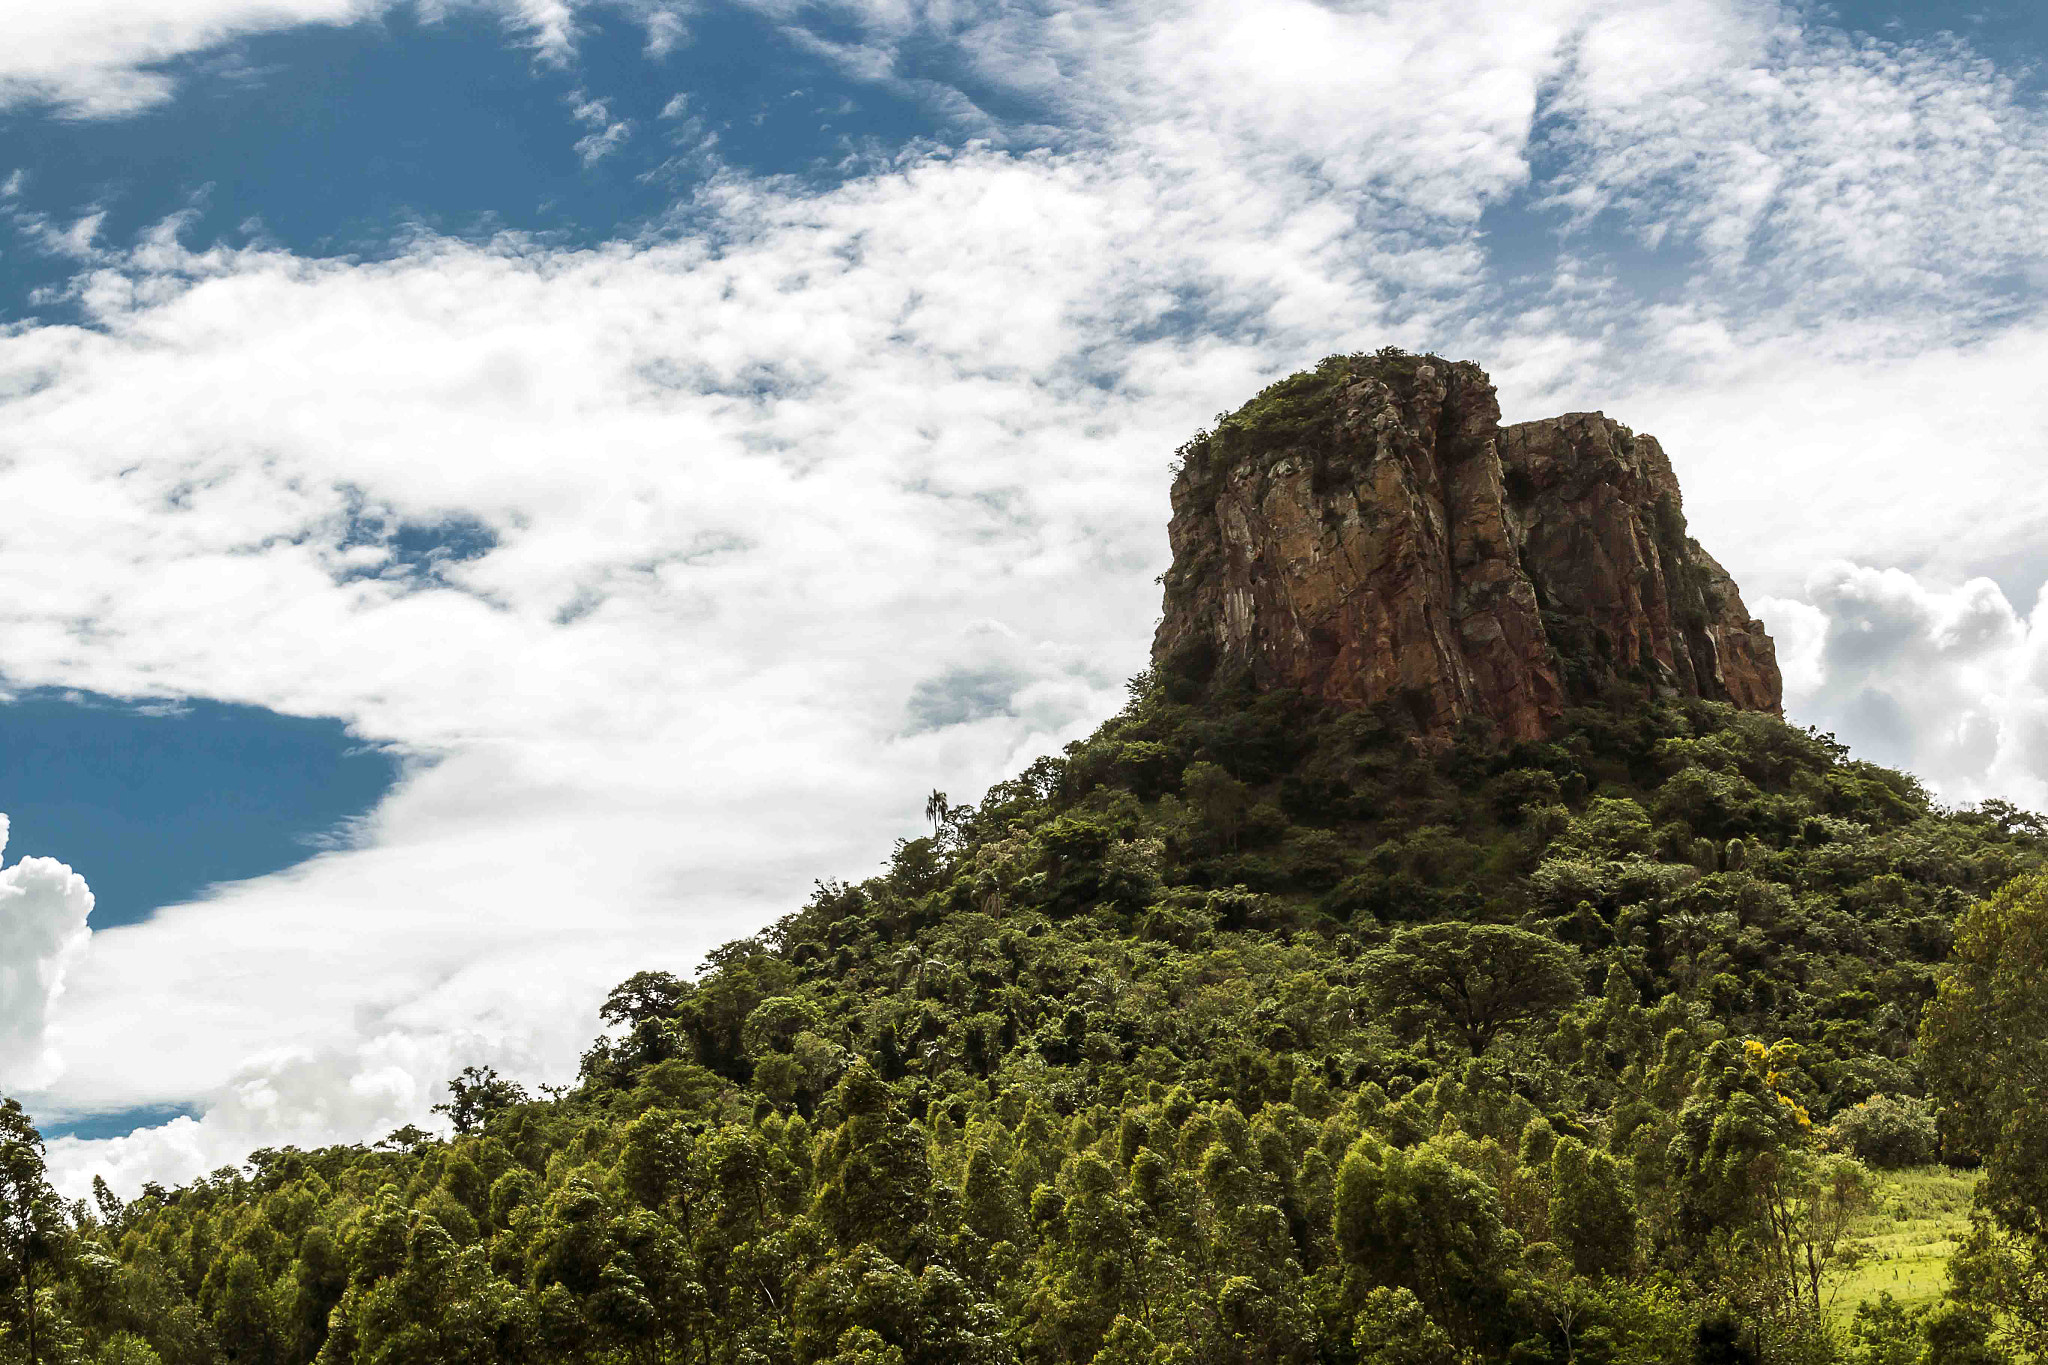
(1368,533)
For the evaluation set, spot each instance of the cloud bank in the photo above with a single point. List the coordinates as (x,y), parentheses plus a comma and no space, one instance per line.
(683,567)
(1948,683)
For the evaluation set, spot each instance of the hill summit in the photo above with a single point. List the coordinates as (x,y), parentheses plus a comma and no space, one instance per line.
(1252,1029)
(1369,534)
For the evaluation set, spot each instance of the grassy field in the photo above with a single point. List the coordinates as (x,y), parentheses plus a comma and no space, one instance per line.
(1908,1236)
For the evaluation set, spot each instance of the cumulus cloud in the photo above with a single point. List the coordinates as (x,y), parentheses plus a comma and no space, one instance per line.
(43,933)
(815,499)
(1945,682)
(304,1097)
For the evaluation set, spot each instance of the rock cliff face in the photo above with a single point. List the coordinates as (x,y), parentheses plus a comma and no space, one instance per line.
(1369,533)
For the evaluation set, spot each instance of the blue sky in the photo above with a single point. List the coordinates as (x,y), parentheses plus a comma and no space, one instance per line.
(505,493)
(163,802)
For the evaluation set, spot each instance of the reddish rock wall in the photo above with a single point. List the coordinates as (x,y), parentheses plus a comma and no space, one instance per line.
(1369,533)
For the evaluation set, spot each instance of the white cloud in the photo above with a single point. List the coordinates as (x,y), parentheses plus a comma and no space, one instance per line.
(94,56)
(302,1098)
(43,933)
(102,58)
(816,500)
(1805,168)
(1946,682)
(606,134)
(1795,448)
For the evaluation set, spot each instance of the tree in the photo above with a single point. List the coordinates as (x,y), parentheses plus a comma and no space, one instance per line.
(1393,1329)
(31,1216)
(643,996)
(475,1095)
(1127,1343)
(660,1163)
(107,1203)
(1221,800)
(1885,1333)
(126,1348)
(243,1311)
(1064,1094)
(2004,1277)
(873,1178)
(1984,1048)
(1734,1136)
(1592,1215)
(1888,1131)
(989,1198)
(863,1346)
(774,1024)
(442,1306)
(1478,980)
(1417,1220)
(408,1138)
(1107,1270)
(1720,1338)
(1810,1204)
(1958,1334)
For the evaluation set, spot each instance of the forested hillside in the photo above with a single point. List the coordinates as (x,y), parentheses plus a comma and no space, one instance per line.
(1249,1030)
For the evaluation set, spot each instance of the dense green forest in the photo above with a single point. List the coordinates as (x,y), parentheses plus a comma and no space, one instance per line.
(1245,1031)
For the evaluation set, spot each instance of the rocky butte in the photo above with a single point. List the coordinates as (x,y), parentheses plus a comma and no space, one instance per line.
(1369,533)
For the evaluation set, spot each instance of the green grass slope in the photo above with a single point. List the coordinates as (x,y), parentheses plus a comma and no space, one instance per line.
(1919,1217)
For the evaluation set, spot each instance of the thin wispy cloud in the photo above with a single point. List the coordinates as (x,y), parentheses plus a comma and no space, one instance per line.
(606,134)
(108,58)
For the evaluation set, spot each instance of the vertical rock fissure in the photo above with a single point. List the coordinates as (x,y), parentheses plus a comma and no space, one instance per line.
(1443,447)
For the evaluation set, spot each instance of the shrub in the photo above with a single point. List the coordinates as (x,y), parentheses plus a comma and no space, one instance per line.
(1887,1131)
